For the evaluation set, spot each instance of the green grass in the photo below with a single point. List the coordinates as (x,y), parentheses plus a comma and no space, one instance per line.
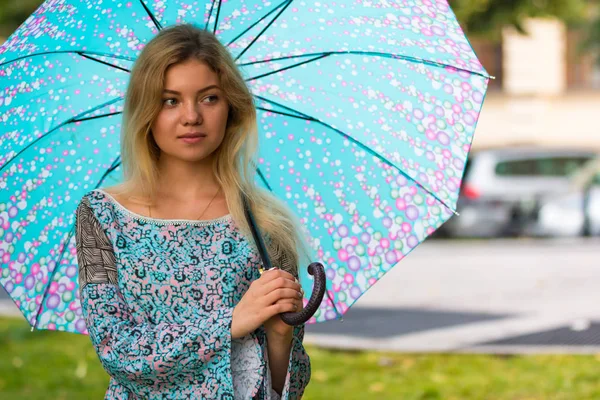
(54,365)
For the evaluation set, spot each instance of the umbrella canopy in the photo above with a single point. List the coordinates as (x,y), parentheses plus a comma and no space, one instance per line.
(366,113)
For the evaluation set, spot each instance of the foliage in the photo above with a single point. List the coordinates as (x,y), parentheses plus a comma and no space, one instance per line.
(487,17)
(13,13)
(57,365)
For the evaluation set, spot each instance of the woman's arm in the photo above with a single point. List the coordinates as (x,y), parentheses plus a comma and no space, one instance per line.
(289,364)
(278,348)
(140,355)
(288,361)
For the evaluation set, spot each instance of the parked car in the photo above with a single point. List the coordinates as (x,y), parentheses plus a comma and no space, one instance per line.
(575,213)
(500,188)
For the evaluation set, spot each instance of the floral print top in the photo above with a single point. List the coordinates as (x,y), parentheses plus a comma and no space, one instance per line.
(158,297)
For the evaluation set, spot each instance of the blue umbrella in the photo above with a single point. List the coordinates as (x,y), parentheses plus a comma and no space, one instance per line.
(366,110)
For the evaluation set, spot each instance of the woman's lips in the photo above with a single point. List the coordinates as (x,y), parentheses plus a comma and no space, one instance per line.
(192,138)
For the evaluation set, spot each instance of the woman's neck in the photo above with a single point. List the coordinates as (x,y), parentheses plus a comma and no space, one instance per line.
(184,180)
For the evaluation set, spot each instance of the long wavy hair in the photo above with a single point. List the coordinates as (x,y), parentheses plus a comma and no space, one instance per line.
(235,163)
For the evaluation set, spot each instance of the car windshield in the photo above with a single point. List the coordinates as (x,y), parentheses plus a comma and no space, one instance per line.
(543,166)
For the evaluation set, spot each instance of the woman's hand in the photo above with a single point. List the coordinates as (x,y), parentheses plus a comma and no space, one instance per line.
(276,328)
(275,292)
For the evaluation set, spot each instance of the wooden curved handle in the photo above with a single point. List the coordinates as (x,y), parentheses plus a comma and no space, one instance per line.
(317,270)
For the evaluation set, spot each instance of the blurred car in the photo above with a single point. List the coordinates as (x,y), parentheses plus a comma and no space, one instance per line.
(575,213)
(500,188)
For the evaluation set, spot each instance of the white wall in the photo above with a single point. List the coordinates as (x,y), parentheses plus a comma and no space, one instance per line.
(535,108)
(535,63)
(571,120)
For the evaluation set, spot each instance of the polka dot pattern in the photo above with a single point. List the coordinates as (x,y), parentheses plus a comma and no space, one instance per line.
(362,214)
(418,117)
(366,115)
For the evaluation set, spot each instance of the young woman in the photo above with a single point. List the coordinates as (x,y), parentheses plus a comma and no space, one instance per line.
(171,289)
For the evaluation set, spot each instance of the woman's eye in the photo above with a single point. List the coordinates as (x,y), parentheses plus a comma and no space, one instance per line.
(170,102)
(211,99)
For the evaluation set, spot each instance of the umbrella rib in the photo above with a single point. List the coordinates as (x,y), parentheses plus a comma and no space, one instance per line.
(287,108)
(264,30)
(257,22)
(371,53)
(286,58)
(152,17)
(286,114)
(289,67)
(212,6)
(98,107)
(67,52)
(71,120)
(114,166)
(367,149)
(217,18)
(66,244)
(262,178)
(97,116)
(103,62)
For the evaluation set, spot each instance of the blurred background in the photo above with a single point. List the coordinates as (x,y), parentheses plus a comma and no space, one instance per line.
(502,303)
(534,168)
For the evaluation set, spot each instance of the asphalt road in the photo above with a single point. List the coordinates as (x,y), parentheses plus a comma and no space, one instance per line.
(479,296)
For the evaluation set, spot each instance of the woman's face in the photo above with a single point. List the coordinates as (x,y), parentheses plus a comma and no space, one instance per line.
(191,123)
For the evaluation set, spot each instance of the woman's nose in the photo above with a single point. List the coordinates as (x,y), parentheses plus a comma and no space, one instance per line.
(191,114)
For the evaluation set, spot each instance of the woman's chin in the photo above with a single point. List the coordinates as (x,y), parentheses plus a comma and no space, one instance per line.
(192,157)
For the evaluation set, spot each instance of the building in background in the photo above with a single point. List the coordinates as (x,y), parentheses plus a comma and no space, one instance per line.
(547,91)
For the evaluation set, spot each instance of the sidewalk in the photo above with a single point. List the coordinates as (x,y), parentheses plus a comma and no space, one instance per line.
(9,309)
(503,296)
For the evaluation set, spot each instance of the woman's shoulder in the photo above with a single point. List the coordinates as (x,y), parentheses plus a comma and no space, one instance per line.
(95,197)
(106,202)
(126,199)
(115,194)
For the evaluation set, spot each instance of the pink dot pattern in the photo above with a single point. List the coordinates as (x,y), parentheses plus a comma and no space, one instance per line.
(367,110)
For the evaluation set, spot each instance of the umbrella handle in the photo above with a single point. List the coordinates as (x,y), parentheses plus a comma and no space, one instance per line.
(317,270)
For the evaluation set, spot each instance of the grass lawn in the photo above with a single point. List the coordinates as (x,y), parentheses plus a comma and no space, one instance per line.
(53,365)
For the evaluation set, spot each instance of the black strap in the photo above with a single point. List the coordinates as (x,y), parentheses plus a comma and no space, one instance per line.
(260,244)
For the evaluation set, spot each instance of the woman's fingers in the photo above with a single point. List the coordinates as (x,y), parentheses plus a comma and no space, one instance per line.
(276,285)
(279,294)
(275,292)
(279,308)
(278,282)
(297,304)
(281,283)
(274,273)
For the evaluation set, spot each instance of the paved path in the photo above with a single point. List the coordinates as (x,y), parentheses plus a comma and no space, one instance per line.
(479,296)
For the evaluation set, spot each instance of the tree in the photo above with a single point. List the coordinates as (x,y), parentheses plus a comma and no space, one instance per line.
(592,43)
(488,17)
(13,13)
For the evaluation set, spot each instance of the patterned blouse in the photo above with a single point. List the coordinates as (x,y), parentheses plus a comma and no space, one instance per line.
(158,297)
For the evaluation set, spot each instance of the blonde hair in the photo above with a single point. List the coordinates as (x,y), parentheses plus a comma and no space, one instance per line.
(235,163)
